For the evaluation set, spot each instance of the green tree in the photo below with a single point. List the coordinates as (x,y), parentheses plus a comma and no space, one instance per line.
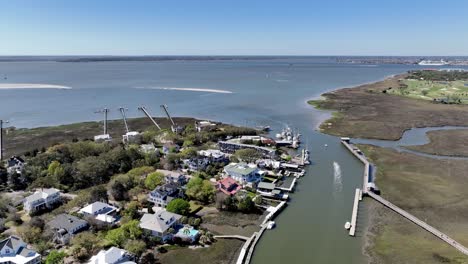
(178,206)
(200,190)
(246,205)
(153,180)
(98,193)
(248,155)
(136,247)
(55,257)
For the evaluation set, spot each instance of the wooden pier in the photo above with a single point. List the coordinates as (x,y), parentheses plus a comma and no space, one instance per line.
(354,215)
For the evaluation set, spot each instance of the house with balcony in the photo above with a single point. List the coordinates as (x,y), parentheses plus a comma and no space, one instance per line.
(174,177)
(159,223)
(165,193)
(15,165)
(101,211)
(244,173)
(14,251)
(42,199)
(65,226)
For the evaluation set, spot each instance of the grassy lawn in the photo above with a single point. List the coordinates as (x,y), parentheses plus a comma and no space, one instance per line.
(432,190)
(195,207)
(222,252)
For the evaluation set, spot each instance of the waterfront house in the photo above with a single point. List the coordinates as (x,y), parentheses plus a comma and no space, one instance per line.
(65,226)
(165,193)
(243,172)
(15,165)
(159,223)
(188,234)
(228,186)
(14,251)
(41,199)
(174,177)
(204,126)
(101,211)
(112,256)
(214,155)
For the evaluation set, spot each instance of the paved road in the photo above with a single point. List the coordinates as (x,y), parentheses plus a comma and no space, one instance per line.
(420,223)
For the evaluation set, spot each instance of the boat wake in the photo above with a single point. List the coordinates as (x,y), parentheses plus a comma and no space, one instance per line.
(11,86)
(187,89)
(337,182)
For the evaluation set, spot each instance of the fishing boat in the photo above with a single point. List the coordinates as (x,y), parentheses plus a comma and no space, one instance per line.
(271,225)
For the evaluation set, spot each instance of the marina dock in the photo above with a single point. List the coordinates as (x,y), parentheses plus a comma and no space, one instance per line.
(357,198)
(369,188)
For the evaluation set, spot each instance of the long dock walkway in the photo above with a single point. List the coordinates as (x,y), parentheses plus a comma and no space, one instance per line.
(420,223)
(357,198)
(368,178)
(233,237)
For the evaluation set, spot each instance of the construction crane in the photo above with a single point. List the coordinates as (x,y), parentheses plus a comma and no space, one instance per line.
(1,138)
(145,111)
(174,127)
(130,136)
(105,136)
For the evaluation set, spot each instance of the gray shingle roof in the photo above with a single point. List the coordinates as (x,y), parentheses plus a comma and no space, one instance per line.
(67,222)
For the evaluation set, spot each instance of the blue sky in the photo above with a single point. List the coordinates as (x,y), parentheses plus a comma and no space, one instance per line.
(241,27)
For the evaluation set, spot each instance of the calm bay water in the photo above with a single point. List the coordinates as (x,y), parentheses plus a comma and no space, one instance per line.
(273,92)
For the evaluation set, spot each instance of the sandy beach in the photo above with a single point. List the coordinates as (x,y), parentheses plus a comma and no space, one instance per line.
(188,89)
(8,86)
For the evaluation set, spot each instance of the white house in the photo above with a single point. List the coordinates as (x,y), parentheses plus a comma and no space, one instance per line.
(243,172)
(215,155)
(14,251)
(101,211)
(159,223)
(174,177)
(41,199)
(112,256)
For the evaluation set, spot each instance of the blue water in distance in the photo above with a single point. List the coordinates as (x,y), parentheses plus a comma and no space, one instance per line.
(264,92)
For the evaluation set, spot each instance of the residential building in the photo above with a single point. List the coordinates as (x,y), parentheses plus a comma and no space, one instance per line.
(204,126)
(14,251)
(174,177)
(197,163)
(112,256)
(101,211)
(15,165)
(243,172)
(65,226)
(41,199)
(214,155)
(158,224)
(170,147)
(163,194)
(228,186)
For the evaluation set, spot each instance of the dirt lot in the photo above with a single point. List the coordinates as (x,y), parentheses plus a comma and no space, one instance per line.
(366,112)
(432,190)
(446,143)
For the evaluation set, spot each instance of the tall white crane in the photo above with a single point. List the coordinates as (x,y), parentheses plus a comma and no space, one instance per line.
(130,136)
(122,111)
(174,127)
(105,136)
(145,111)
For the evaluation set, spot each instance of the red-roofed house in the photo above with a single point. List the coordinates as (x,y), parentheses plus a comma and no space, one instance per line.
(228,186)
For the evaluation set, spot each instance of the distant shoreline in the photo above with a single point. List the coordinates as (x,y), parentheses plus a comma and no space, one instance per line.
(14,86)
